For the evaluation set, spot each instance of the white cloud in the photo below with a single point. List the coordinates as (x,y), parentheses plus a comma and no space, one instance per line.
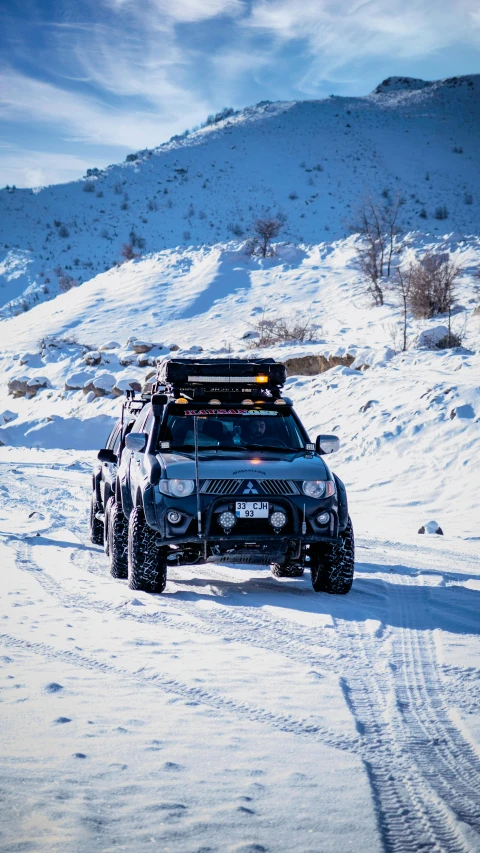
(342,30)
(180,11)
(82,118)
(26,168)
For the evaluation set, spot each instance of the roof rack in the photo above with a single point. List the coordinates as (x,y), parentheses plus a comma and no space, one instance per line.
(229,377)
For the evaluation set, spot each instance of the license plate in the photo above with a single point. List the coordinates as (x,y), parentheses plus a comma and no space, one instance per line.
(252,509)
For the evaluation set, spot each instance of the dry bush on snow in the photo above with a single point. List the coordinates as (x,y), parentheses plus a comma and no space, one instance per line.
(283,329)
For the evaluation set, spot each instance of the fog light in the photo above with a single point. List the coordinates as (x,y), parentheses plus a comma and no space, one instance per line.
(323,518)
(227,520)
(174,516)
(278,519)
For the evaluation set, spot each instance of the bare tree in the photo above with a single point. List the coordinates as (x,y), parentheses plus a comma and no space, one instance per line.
(402,286)
(433,286)
(378,224)
(266,230)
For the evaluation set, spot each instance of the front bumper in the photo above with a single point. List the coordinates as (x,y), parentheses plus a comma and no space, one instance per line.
(292,538)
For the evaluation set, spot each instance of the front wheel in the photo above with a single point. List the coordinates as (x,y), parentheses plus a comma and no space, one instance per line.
(96,526)
(117,541)
(147,564)
(332,569)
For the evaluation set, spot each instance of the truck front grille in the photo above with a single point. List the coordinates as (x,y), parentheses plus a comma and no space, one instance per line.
(265,487)
(219,487)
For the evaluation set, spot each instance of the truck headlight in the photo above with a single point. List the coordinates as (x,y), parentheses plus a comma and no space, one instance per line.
(318,488)
(177,488)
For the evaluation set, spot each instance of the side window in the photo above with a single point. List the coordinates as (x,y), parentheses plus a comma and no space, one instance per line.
(138,425)
(116,445)
(112,438)
(148,421)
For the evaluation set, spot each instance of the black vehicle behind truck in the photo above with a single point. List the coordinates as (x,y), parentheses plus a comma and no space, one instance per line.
(104,475)
(219,468)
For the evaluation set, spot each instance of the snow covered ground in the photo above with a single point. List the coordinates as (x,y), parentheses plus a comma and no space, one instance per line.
(235,712)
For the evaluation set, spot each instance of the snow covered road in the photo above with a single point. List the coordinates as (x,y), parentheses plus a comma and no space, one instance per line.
(236,712)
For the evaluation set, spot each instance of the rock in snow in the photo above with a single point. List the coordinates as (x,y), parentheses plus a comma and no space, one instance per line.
(431,527)
(429,338)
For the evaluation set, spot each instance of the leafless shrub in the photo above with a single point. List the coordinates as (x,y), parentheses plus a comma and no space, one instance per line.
(284,329)
(89,187)
(136,240)
(453,339)
(377,222)
(293,195)
(66,282)
(441,212)
(63,231)
(468,198)
(235,229)
(433,281)
(186,235)
(265,230)
(433,286)
(128,253)
(118,188)
(152,204)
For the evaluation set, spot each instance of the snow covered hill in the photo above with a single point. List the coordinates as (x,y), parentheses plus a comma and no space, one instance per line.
(310,162)
(409,421)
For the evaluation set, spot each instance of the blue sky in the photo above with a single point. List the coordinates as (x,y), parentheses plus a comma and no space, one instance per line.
(83,83)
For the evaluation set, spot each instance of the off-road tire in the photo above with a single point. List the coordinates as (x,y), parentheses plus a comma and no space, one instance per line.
(286,571)
(106,524)
(96,526)
(332,567)
(117,541)
(147,564)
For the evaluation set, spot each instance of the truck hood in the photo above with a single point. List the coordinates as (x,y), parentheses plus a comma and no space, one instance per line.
(242,466)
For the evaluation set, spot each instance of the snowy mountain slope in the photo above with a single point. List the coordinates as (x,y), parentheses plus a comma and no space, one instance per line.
(311,162)
(408,423)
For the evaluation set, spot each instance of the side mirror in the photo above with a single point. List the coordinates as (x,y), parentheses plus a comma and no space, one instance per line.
(106,455)
(327,444)
(136,441)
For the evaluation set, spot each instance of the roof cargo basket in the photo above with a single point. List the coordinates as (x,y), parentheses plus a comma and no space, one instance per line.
(232,374)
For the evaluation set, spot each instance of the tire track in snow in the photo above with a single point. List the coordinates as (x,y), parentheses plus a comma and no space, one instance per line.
(410,815)
(408,808)
(260,631)
(198,695)
(441,752)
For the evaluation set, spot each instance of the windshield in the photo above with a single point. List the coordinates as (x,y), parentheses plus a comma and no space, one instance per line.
(233,429)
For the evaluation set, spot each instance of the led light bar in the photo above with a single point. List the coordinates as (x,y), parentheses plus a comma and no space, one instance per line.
(245,380)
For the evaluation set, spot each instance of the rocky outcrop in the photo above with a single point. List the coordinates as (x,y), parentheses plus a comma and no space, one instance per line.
(123,385)
(18,387)
(24,386)
(141,346)
(311,365)
(77,381)
(92,358)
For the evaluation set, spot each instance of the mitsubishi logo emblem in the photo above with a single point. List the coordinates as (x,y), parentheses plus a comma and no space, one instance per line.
(250,490)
